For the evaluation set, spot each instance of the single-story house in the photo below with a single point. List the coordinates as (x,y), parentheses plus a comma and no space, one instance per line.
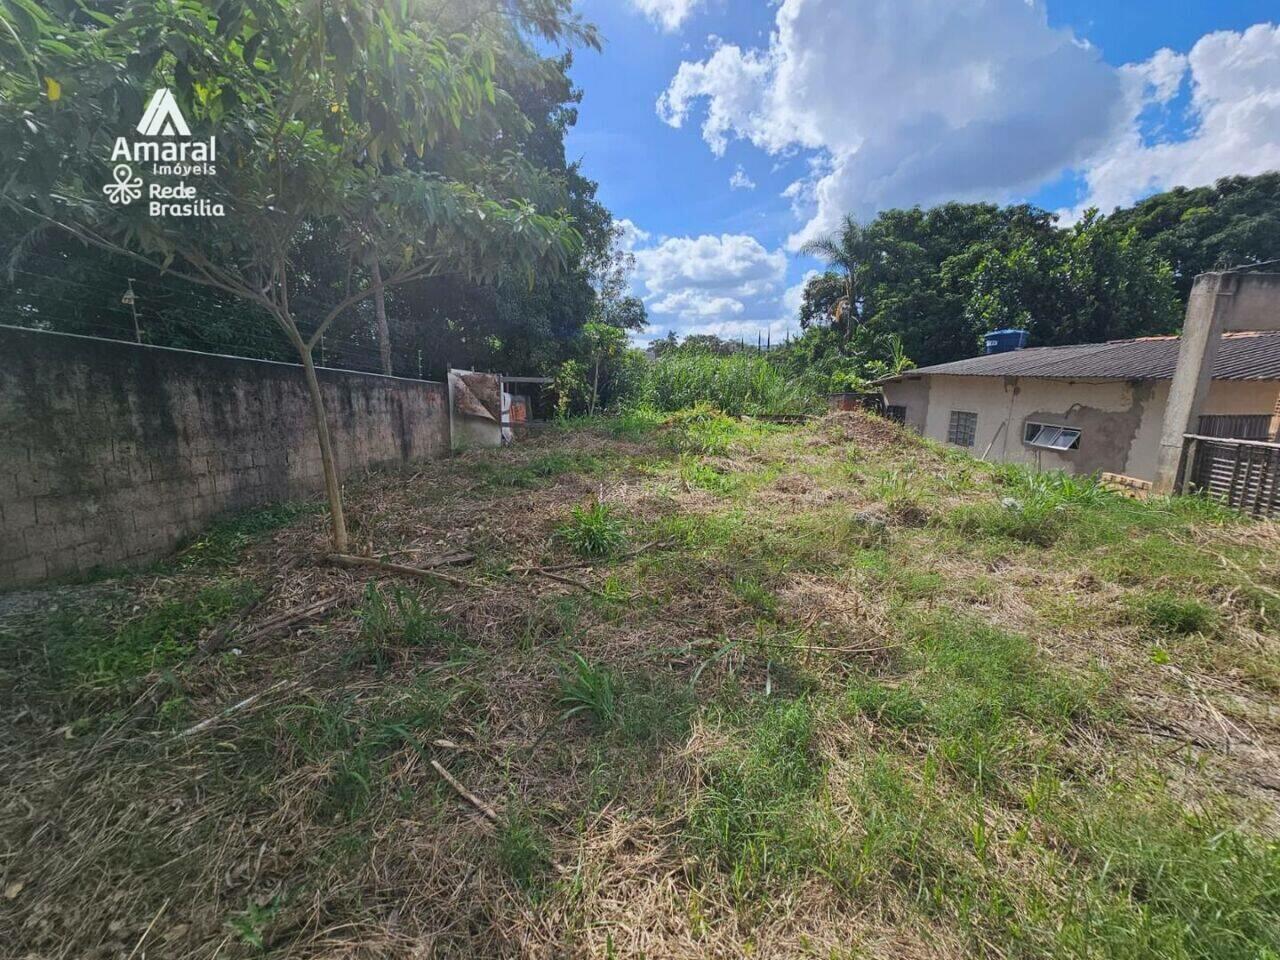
(1095,407)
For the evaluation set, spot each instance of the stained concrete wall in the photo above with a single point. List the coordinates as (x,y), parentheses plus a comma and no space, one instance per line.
(1120,420)
(112,453)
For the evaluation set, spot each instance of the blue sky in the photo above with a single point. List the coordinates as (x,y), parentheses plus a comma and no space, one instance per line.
(729,131)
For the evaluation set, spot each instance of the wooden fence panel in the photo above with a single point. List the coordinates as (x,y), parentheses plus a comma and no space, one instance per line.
(1242,473)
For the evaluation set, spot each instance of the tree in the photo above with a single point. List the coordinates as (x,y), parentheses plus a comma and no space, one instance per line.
(604,343)
(1234,222)
(319,113)
(849,251)
(610,268)
(1093,282)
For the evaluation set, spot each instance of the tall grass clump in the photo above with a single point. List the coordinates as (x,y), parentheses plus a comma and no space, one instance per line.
(593,531)
(739,384)
(1038,508)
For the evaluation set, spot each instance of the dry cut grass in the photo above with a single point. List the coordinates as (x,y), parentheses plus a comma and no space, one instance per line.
(715,688)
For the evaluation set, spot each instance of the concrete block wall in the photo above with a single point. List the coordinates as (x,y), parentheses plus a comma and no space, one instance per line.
(111,454)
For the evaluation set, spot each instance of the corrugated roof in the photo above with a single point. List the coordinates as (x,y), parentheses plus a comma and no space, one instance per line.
(1242,356)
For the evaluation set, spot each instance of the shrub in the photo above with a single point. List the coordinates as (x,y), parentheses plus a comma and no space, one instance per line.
(593,531)
(737,384)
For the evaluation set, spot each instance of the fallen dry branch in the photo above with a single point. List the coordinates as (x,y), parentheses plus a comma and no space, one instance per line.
(348,560)
(658,544)
(559,578)
(277,624)
(463,792)
(234,708)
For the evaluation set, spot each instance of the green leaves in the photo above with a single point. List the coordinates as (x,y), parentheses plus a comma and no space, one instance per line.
(341,118)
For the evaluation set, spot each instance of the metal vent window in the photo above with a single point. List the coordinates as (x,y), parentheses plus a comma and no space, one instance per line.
(896,412)
(1050,436)
(963,428)
(1244,426)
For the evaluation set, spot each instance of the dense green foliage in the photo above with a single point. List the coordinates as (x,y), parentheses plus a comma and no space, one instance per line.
(940,278)
(432,132)
(1235,221)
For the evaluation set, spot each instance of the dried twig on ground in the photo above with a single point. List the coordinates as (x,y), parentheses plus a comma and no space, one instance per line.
(234,708)
(463,792)
(348,560)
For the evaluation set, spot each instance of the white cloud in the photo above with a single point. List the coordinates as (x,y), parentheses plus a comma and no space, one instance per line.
(1162,75)
(668,14)
(729,285)
(740,180)
(1234,116)
(793,296)
(907,101)
(631,235)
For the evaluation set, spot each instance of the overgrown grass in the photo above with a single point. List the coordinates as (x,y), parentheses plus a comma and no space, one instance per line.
(752,818)
(83,652)
(737,384)
(837,725)
(535,473)
(353,741)
(224,541)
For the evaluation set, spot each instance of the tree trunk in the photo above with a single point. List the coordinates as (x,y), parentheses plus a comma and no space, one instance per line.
(380,313)
(331,485)
(595,389)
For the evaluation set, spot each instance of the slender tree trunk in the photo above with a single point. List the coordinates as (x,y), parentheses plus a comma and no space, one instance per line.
(595,388)
(331,484)
(380,313)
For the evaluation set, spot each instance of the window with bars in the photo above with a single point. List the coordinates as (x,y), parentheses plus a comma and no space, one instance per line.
(1050,436)
(963,428)
(896,412)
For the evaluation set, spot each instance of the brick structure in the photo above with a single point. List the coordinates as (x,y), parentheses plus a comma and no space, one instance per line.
(111,453)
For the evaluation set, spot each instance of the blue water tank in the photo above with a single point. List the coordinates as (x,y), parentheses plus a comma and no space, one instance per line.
(1002,341)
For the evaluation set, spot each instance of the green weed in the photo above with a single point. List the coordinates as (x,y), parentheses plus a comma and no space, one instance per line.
(589,690)
(695,473)
(522,849)
(593,531)
(250,924)
(1175,614)
(83,652)
(755,595)
(535,473)
(753,816)
(397,620)
(223,542)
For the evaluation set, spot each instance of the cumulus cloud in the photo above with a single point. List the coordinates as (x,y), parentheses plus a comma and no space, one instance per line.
(793,296)
(740,180)
(1234,116)
(693,279)
(668,14)
(730,285)
(907,102)
(630,236)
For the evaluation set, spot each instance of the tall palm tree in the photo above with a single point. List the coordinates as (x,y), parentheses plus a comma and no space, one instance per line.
(846,251)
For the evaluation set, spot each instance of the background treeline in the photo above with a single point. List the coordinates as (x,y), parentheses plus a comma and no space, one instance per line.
(916,286)
(938,279)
